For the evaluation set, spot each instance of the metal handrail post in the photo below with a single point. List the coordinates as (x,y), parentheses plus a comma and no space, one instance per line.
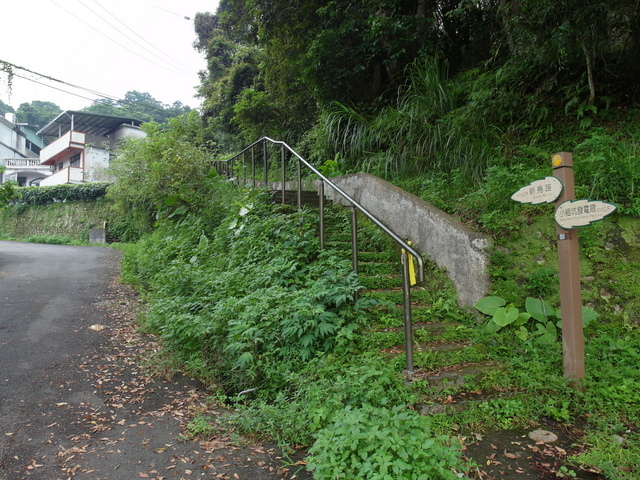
(354,243)
(282,171)
(265,162)
(321,193)
(253,166)
(244,168)
(299,186)
(408,326)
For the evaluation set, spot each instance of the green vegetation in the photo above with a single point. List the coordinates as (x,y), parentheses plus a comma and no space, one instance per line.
(60,222)
(252,306)
(139,105)
(37,113)
(7,190)
(460,103)
(61,193)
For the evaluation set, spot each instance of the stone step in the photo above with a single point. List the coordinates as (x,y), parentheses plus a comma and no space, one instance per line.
(453,377)
(310,198)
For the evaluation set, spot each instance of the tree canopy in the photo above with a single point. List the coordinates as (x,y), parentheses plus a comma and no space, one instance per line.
(4,108)
(140,105)
(37,113)
(277,66)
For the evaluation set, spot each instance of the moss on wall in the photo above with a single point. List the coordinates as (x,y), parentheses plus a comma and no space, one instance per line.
(67,219)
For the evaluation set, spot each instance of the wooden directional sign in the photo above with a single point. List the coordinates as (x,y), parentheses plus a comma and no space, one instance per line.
(580,213)
(546,190)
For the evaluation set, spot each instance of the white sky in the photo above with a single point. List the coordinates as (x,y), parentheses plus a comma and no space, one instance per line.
(66,40)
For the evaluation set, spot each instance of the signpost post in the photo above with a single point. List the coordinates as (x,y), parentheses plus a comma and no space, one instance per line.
(570,213)
(569,268)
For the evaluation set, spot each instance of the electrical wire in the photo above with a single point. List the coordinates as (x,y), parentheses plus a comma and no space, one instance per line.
(47,77)
(116,42)
(51,86)
(112,98)
(141,37)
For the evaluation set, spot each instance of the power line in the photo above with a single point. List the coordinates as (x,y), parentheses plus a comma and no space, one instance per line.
(51,86)
(47,77)
(127,36)
(114,99)
(141,37)
(115,41)
(173,13)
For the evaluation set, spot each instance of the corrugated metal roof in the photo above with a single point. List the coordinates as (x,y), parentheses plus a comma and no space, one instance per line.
(89,123)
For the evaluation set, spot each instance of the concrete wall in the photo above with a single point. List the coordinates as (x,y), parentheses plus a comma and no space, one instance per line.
(128,131)
(65,219)
(461,252)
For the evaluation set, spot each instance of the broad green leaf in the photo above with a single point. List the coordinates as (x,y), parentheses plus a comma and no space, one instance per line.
(170,200)
(539,309)
(504,316)
(550,334)
(522,319)
(492,327)
(179,211)
(489,305)
(245,359)
(523,334)
(588,315)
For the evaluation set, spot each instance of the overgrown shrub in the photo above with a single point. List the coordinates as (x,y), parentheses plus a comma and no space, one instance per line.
(62,193)
(251,299)
(383,443)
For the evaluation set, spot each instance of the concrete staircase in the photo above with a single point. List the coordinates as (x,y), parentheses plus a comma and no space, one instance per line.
(446,358)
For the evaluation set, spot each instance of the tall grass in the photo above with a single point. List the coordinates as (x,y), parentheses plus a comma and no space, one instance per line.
(430,128)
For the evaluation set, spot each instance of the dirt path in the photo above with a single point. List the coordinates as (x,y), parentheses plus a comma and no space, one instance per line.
(74,401)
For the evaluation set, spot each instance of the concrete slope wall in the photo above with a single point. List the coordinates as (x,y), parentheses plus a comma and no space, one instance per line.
(458,250)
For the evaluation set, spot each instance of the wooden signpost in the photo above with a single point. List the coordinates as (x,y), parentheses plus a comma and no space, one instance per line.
(570,213)
(546,190)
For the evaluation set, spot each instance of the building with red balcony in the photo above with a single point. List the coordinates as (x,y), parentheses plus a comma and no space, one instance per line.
(84,143)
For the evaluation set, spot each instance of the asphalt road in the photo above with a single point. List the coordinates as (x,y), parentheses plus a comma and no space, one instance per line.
(74,404)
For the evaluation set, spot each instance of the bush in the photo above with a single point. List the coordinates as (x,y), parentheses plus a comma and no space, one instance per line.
(380,444)
(253,298)
(62,193)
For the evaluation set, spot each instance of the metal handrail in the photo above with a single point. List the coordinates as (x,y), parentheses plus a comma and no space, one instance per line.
(406,248)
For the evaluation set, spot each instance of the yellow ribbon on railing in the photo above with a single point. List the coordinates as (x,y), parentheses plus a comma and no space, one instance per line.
(412,266)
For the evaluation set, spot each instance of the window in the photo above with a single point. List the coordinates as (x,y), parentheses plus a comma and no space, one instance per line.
(75,160)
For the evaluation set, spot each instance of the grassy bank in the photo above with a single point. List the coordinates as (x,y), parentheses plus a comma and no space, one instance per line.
(267,320)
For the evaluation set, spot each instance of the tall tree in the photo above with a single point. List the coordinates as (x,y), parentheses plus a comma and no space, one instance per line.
(4,108)
(37,113)
(138,105)
(233,66)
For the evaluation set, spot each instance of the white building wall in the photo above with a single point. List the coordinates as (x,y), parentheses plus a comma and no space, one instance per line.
(128,131)
(5,134)
(12,141)
(96,163)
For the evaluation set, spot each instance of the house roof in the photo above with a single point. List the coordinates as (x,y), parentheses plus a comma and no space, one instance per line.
(87,122)
(11,125)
